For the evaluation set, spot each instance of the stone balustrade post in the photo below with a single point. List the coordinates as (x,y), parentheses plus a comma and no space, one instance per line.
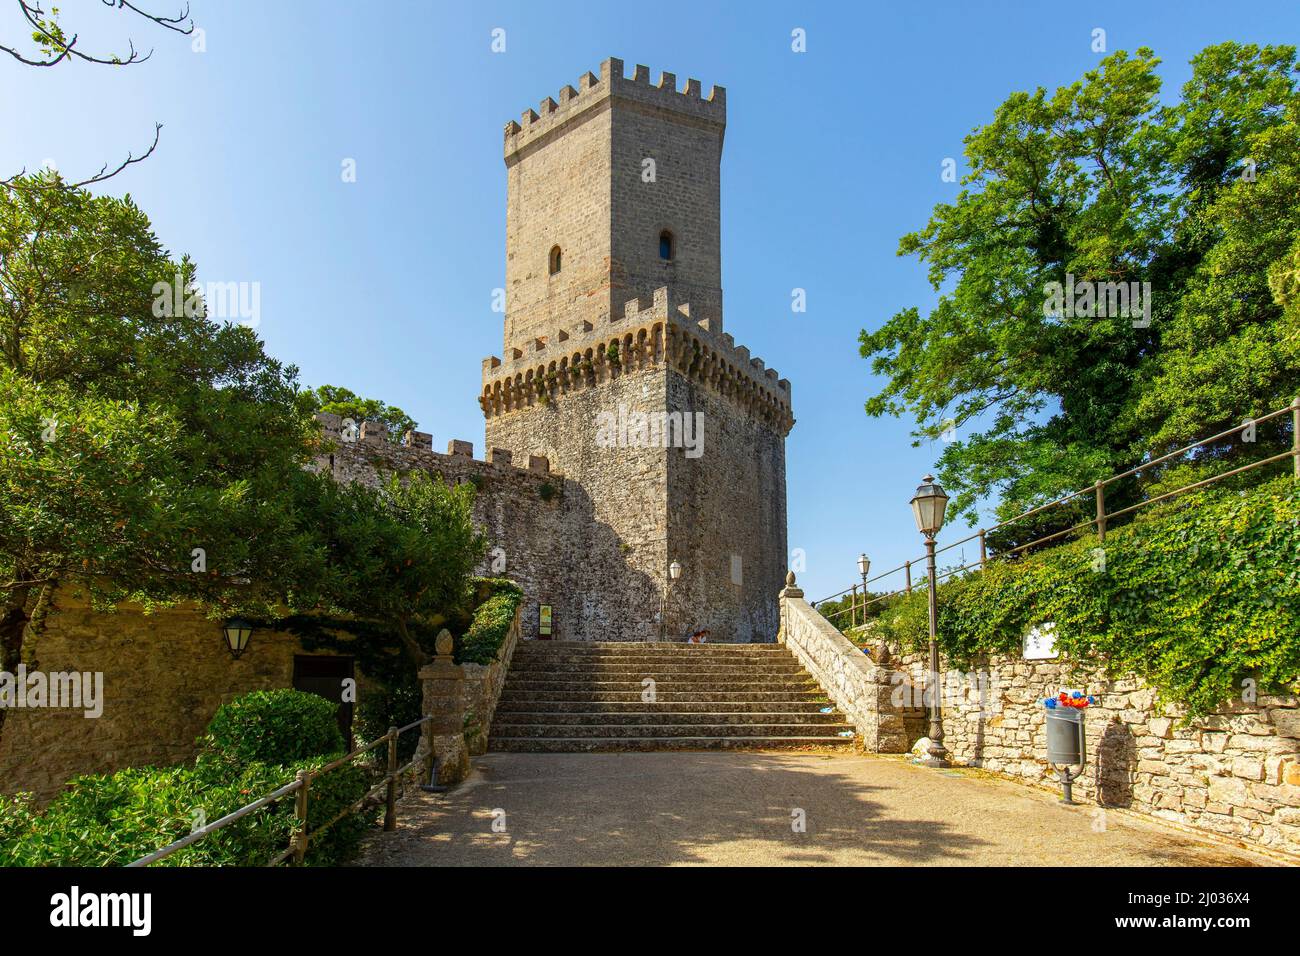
(443,739)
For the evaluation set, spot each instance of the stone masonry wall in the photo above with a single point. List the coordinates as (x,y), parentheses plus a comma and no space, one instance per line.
(859,687)
(611,546)
(726,519)
(483,683)
(165,675)
(576,178)
(1235,773)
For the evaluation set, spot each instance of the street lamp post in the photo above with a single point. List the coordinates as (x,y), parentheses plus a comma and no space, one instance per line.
(674,572)
(864,565)
(928,506)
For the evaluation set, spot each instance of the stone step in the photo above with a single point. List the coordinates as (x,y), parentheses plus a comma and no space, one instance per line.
(662,695)
(637,675)
(576,707)
(740,653)
(641,647)
(664,717)
(611,744)
(661,686)
(669,730)
(717,669)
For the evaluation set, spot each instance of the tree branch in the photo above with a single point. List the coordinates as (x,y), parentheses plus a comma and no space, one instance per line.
(56,47)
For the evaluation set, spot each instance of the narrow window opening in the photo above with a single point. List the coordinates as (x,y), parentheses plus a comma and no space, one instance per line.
(555,259)
(666,249)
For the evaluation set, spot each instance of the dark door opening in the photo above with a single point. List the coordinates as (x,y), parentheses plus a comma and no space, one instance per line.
(325,677)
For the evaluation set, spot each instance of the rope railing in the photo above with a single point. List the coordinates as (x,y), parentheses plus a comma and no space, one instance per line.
(1099,521)
(299,837)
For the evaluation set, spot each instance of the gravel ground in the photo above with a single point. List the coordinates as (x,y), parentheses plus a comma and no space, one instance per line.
(740,809)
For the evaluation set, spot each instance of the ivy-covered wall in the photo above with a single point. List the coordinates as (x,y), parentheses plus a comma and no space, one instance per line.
(1200,598)
(1185,624)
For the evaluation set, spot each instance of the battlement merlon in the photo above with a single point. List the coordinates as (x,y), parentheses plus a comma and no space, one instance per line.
(362,443)
(614,83)
(650,331)
(637,315)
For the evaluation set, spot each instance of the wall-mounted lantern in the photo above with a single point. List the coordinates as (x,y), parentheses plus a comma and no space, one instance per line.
(237,631)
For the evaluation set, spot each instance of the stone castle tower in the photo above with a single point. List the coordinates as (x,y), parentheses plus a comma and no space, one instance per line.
(616,367)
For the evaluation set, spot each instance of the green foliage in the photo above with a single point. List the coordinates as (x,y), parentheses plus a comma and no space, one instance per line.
(547,491)
(401,556)
(113,819)
(254,745)
(492,620)
(841,616)
(275,726)
(133,433)
(1103,180)
(1192,597)
(393,703)
(347,404)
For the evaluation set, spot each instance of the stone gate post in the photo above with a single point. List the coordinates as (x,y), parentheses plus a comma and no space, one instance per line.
(443,739)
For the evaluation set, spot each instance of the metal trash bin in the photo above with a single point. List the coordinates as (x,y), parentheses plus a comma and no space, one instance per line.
(1065,736)
(1066,745)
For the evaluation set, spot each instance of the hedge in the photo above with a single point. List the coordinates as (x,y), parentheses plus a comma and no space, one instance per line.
(1193,597)
(275,726)
(482,642)
(113,819)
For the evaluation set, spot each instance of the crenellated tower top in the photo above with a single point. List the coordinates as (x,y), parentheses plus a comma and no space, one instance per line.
(555,113)
(613,191)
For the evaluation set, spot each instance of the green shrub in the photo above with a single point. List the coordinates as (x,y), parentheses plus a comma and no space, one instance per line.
(275,727)
(492,619)
(113,819)
(395,703)
(1192,597)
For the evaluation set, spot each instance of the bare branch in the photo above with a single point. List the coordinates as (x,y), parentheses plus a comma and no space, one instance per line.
(58,47)
(99,177)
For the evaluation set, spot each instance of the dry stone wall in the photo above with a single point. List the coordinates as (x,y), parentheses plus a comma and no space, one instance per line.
(1235,773)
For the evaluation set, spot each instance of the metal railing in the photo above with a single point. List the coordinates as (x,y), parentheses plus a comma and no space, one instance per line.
(1099,521)
(300,838)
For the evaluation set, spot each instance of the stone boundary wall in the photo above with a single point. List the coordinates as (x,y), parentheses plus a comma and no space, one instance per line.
(165,673)
(1235,773)
(483,683)
(857,685)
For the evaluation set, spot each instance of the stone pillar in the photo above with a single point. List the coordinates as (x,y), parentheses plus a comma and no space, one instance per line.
(787,592)
(444,736)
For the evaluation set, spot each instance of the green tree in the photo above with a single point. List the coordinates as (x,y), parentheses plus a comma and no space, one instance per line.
(144,450)
(148,454)
(402,556)
(347,404)
(1100,181)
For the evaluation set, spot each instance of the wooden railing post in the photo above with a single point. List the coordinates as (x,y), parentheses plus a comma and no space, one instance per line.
(1295,433)
(1101,510)
(984,551)
(907,570)
(299,838)
(853,608)
(390,811)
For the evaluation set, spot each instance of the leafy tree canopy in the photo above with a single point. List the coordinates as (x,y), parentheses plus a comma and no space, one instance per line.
(347,404)
(158,456)
(1199,198)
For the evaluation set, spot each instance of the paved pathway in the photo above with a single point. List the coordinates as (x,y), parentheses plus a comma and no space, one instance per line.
(736,809)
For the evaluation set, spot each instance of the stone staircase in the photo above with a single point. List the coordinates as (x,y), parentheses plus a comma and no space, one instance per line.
(587,696)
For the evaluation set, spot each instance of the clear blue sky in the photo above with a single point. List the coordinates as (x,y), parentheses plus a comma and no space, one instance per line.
(384,285)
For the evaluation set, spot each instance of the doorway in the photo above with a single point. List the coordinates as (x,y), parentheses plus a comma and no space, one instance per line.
(324,677)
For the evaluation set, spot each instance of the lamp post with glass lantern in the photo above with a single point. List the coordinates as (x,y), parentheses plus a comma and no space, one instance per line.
(864,565)
(674,572)
(928,506)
